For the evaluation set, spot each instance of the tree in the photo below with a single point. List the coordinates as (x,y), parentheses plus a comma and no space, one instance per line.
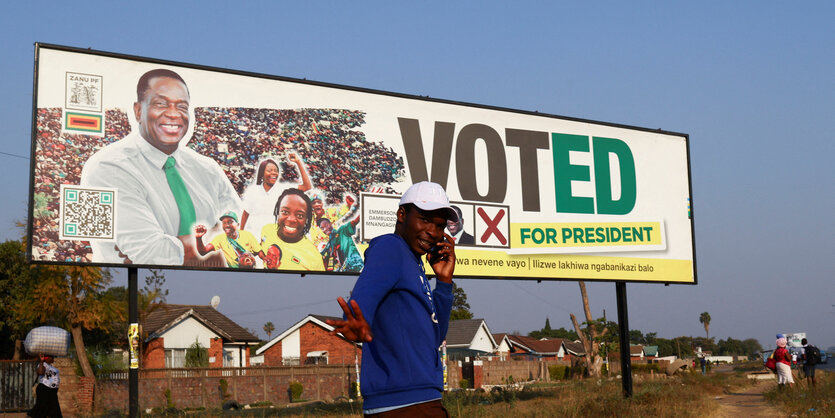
(269,328)
(548,332)
(460,307)
(74,296)
(16,284)
(751,346)
(589,335)
(731,347)
(704,318)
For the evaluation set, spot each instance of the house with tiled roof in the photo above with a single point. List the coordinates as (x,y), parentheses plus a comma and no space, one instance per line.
(636,351)
(308,341)
(503,346)
(171,329)
(534,348)
(573,349)
(469,338)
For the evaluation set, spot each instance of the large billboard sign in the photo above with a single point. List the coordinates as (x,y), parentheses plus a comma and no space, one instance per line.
(163,164)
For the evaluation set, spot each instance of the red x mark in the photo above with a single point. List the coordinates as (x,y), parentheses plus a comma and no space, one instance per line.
(492,226)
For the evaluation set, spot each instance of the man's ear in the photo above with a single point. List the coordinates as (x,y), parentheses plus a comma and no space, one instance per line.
(401,214)
(137,112)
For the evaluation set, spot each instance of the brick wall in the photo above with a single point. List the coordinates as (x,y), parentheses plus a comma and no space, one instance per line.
(75,393)
(272,356)
(313,337)
(497,372)
(195,388)
(216,352)
(154,356)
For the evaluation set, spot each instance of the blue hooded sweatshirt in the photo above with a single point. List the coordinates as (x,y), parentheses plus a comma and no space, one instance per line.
(401,365)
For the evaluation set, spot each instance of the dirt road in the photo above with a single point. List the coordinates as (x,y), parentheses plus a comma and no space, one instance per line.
(747,402)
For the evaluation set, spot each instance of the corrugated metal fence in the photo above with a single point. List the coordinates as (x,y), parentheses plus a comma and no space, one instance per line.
(16,381)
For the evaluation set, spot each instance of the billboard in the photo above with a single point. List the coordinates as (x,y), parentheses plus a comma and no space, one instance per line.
(162,164)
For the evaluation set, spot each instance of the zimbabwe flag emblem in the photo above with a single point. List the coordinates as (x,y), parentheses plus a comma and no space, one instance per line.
(83,122)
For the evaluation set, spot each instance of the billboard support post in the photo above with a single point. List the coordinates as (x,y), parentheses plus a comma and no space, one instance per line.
(623,330)
(133,318)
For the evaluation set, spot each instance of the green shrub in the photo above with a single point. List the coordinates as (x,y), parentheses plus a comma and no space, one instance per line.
(296,390)
(578,369)
(464,383)
(224,388)
(197,355)
(169,403)
(559,372)
(646,368)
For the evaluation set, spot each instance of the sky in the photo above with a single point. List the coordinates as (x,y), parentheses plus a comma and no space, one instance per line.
(751,82)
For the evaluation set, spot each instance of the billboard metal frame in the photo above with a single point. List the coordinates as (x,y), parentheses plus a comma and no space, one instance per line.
(34,132)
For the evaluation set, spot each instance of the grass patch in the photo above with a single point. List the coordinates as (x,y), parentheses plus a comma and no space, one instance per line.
(803,399)
(688,395)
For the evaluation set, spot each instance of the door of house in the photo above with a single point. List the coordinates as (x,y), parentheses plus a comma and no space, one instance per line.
(16,381)
(468,372)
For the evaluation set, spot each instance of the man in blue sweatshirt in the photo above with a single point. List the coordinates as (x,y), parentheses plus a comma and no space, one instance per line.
(406,321)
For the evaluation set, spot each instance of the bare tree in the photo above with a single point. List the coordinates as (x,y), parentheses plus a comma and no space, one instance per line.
(589,335)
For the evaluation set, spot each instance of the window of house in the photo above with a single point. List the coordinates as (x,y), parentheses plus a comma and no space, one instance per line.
(317,357)
(290,361)
(175,358)
(228,359)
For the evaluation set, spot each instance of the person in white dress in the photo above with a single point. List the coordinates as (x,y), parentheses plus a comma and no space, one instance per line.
(259,198)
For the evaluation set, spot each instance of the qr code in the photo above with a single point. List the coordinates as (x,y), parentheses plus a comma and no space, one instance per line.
(87,213)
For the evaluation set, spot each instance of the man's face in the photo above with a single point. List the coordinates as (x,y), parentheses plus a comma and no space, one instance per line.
(270,174)
(318,208)
(163,113)
(273,257)
(292,215)
(326,226)
(421,229)
(230,227)
(454,227)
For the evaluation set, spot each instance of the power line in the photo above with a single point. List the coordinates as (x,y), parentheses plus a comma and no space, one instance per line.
(14,155)
(302,305)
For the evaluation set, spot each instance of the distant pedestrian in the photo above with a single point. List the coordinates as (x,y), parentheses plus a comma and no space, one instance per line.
(784,361)
(703,363)
(810,356)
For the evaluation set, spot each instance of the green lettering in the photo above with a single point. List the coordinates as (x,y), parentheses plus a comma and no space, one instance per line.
(606,205)
(565,173)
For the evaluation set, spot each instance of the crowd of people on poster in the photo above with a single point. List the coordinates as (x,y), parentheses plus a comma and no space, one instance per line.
(268,188)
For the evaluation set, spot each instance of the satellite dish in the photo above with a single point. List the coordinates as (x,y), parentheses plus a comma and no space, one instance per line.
(215,301)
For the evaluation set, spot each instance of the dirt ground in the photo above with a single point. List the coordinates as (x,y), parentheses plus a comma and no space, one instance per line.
(749,402)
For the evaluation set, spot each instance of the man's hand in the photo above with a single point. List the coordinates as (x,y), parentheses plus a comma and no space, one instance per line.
(354,327)
(444,264)
(199,230)
(349,200)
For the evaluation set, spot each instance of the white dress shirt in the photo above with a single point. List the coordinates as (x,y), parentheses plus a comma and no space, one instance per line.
(148,219)
(259,204)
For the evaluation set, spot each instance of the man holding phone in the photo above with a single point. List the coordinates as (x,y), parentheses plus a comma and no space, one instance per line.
(402,374)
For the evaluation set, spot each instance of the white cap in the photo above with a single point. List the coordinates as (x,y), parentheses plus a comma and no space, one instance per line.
(428,196)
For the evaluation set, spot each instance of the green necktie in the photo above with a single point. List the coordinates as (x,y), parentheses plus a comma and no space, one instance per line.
(181,196)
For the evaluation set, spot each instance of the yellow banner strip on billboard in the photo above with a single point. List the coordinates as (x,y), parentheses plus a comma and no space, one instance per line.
(585,234)
(498,264)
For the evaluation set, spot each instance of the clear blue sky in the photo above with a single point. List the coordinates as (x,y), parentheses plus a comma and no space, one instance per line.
(752,82)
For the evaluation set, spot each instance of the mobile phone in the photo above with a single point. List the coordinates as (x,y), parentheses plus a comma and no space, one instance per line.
(434,253)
